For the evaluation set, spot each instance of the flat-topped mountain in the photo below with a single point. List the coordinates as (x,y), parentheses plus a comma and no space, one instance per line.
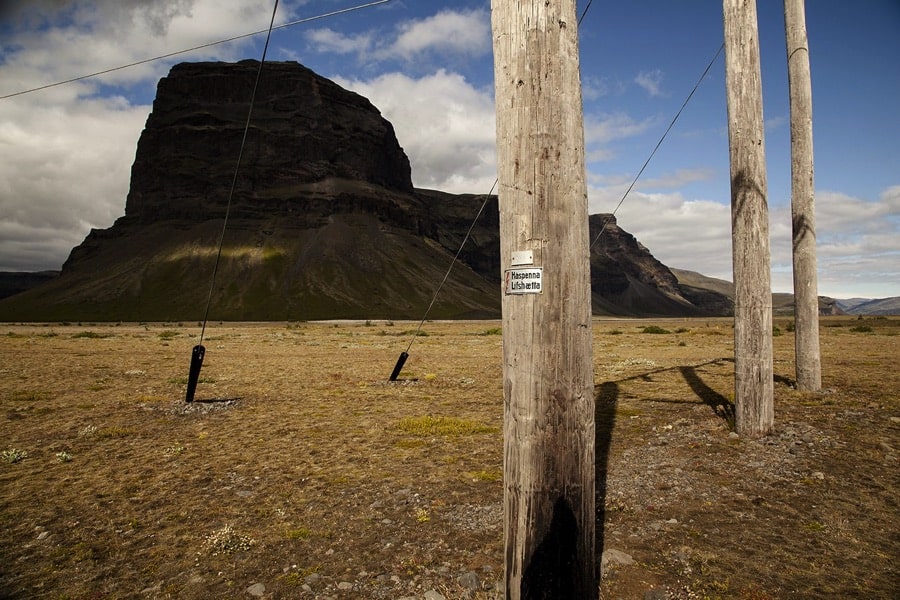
(324,220)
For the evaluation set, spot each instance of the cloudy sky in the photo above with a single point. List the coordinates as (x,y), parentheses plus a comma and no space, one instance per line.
(66,151)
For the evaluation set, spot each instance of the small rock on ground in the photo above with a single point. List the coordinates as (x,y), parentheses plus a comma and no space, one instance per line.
(257,589)
(614,557)
(469,581)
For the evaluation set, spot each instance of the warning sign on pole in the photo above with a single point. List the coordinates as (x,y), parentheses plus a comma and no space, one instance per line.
(524,281)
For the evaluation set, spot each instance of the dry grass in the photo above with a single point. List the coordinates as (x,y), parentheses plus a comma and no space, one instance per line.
(301,467)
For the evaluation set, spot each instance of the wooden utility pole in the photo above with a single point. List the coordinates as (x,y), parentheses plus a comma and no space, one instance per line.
(547,349)
(803,216)
(754,387)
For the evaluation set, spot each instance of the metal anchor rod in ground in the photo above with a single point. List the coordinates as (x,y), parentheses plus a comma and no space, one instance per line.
(197,355)
(405,354)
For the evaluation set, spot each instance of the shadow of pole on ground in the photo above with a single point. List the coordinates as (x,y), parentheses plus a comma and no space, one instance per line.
(606,398)
(721,406)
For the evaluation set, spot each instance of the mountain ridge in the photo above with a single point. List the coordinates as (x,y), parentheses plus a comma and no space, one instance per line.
(324,221)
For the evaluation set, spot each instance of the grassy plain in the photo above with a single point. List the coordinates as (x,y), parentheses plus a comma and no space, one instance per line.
(301,468)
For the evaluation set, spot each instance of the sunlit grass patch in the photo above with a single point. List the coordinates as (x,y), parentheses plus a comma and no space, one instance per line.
(174,450)
(409,444)
(428,425)
(152,398)
(814,526)
(29,395)
(91,335)
(654,329)
(305,533)
(486,475)
(184,380)
(625,412)
(111,433)
(300,533)
(296,578)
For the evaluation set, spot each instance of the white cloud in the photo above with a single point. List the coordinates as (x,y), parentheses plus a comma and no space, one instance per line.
(593,87)
(605,128)
(56,186)
(445,125)
(651,81)
(466,33)
(776,123)
(684,233)
(66,152)
(328,40)
(91,36)
(447,33)
(858,240)
(679,178)
(602,129)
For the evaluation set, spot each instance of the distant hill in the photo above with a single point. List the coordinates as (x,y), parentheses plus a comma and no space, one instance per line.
(12,283)
(782,303)
(324,223)
(864,306)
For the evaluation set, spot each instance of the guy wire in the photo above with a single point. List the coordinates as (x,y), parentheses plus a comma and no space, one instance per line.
(212,283)
(468,233)
(584,12)
(453,262)
(659,143)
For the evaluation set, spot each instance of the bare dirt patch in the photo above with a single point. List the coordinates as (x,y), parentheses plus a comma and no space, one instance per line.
(302,473)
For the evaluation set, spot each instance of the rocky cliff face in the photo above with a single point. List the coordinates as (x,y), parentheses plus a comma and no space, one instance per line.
(324,223)
(304,130)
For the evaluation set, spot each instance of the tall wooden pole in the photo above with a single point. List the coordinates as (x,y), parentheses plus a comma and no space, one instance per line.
(754,387)
(803,216)
(547,349)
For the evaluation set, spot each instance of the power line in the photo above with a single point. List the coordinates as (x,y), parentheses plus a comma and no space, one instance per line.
(171,54)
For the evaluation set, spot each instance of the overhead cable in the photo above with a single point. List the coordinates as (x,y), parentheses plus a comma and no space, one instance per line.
(202,46)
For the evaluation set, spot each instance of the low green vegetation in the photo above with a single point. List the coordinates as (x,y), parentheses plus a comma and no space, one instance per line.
(91,335)
(13,455)
(654,329)
(428,425)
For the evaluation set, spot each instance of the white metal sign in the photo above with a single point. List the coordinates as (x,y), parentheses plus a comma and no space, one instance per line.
(525,281)
(521,258)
